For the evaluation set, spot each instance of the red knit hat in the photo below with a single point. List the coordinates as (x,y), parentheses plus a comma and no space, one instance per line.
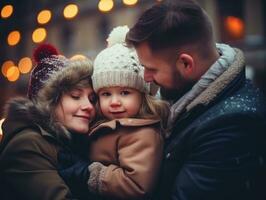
(48,62)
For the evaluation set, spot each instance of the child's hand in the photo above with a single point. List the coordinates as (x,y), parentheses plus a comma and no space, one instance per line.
(96,169)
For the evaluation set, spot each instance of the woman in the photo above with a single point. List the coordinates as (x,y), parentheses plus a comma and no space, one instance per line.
(54,118)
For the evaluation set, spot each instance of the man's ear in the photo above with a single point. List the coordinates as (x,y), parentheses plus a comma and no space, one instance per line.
(186,65)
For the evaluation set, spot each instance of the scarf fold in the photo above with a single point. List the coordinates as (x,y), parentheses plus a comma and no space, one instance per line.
(222,64)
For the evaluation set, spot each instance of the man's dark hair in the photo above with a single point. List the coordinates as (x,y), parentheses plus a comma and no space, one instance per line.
(172,23)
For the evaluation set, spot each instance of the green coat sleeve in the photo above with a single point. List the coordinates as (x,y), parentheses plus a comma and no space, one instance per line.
(29,167)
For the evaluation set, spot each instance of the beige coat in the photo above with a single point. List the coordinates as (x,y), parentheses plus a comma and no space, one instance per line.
(131,152)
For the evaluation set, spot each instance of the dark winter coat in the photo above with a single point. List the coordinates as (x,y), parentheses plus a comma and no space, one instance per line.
(218,144)
(28,155)
(32,139)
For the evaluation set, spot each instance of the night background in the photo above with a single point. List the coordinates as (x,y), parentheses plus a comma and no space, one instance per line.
(80,28)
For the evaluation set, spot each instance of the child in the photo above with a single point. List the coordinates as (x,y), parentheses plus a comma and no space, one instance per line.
(126,146)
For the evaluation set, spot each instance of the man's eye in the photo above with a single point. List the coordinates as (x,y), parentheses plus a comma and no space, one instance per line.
(151,70)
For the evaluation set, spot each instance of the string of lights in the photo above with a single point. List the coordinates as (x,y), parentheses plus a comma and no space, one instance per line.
(12,70)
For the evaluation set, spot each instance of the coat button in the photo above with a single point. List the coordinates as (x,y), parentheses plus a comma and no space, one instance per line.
(168,155)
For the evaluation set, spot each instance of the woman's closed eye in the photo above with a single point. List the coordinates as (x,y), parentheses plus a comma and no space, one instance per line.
(75,96)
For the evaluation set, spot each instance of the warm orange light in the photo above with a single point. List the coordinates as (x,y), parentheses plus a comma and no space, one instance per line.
(78,57)
(25,65)
(39,35)
(13,38)
(234,26)
(70,11)
(12,74)
(105,5)
(6,65)
(1,131)
(130,2)
(44,16)
(7,11)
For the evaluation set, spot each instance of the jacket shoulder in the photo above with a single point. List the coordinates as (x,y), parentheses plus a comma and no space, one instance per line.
(30,141)
(247,101)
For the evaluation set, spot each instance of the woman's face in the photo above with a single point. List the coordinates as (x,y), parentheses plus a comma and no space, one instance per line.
(76,109)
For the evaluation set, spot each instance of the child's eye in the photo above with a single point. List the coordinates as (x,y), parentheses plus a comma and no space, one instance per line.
(106,94)
(125,92)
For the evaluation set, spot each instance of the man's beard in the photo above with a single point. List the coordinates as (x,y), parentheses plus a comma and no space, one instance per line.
(175,94)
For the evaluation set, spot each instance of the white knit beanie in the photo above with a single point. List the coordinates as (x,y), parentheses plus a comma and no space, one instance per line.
(118,65)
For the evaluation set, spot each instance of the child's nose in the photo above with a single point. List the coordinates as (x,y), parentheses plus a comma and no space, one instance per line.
(115,101)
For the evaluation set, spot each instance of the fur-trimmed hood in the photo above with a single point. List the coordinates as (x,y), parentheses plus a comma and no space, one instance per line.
(21,113)
(64,80)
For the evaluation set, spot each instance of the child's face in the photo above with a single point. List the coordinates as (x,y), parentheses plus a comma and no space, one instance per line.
(119,102)
(76,109)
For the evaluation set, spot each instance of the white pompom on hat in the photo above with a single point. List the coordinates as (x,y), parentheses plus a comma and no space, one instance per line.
(118,65)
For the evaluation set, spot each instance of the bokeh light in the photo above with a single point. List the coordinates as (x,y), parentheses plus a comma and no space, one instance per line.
(234,26)
(13,38)
(70,11)
(1,131)
(12,74)
(39,35)
(78,57)
(6,11)
(44,16)
(25,65)
(6,65)
(105,5)
(130,2)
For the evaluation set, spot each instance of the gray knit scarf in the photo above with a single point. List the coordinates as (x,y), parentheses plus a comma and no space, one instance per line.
(225,60)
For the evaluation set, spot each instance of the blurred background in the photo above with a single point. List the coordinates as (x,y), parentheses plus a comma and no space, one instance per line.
(80,28)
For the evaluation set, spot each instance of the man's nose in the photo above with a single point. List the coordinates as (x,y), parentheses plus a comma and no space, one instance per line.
(148,77)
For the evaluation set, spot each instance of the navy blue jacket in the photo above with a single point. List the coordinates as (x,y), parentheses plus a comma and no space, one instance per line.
(217,149)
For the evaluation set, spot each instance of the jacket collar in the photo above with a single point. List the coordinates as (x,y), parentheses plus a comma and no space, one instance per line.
(124,122)
(21,113)
(217,86)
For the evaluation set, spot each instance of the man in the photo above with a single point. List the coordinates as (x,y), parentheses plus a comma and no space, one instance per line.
(260,77)
(217,143)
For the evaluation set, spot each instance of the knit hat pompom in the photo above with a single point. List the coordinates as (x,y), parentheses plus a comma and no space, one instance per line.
(44,51)
(117,36)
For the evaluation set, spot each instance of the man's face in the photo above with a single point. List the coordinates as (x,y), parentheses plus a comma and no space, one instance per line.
(159,69)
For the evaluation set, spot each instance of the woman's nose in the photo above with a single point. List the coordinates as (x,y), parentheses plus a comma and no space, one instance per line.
(87,105)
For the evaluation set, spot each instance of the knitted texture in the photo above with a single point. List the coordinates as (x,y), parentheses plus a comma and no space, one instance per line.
(48,62)
(118,65)
(96,170)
